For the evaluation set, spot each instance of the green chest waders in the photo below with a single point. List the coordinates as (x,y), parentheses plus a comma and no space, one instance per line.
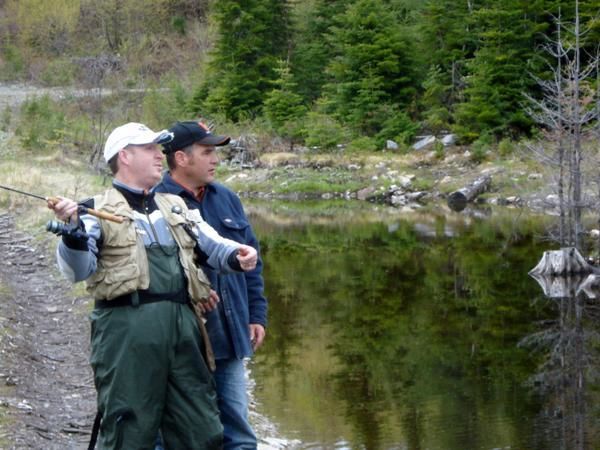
(148,366)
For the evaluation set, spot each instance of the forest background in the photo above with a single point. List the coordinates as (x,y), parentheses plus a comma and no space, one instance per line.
(314,72)
(328,82)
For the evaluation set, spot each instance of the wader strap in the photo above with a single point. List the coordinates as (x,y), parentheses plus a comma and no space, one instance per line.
(209,355)
(95,430)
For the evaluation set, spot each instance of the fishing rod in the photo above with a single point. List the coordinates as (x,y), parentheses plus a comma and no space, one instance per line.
(81,209)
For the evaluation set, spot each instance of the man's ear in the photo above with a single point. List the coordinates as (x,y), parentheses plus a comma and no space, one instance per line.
(180,158)
(124,157)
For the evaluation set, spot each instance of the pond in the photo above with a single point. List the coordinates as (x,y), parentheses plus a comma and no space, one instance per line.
(392,330)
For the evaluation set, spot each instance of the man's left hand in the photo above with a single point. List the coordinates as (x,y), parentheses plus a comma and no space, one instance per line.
(257,335)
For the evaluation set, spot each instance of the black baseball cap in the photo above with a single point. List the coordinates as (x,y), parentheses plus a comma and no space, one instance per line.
(190,132)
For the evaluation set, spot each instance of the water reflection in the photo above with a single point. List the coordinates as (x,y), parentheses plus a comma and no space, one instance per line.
(402,332)
(567,379)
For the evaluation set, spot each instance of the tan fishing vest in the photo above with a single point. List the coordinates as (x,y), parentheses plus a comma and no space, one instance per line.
(123,265)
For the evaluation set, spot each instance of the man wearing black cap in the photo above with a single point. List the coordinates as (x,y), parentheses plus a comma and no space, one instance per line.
(236,325)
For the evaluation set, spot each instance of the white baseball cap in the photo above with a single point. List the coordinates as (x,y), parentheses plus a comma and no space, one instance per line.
(133,133)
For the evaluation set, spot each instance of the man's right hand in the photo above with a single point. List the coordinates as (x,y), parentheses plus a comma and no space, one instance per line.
(247,256)
(210,303)
(64,209)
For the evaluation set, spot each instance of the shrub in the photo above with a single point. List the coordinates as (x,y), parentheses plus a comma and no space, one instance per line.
(362,144)
(324,131)
(506,147)
(13,65)
(480,147)
(58,72)
(41,122)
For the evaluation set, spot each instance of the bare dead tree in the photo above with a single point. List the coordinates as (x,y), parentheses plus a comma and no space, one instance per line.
(567,114)
(94,70)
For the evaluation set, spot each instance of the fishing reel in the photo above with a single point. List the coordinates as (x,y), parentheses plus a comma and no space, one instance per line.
(67,229)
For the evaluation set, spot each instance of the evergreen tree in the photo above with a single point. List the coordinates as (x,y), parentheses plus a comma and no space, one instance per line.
(283,107)
(312,50)
(446,44)
(500,71)
(373,72)
(252,37)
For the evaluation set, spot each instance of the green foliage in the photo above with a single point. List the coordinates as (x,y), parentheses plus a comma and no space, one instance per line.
(6,118)
(480,147)
(252,38)
(324,131)
(58,72)
(438,149)
(313,46)
(494,91)
(12,64)
(361,144)
(41,123)
(43,27)
(178,24)
(162,107)
(506,147)
(373,70)
(283,107)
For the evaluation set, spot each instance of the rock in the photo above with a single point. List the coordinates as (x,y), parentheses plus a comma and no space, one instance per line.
(552,200)
(391,145)
(405,181)
(279,159)
(424,142)
(365,193)
(535,176)
(449,139)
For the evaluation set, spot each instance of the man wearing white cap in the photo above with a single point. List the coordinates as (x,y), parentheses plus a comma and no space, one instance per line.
(146,345)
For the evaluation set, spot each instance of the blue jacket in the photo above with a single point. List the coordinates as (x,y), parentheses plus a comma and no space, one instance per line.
(242,298)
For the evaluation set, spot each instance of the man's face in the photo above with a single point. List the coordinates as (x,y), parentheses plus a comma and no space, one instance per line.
(144,164)
(201,164)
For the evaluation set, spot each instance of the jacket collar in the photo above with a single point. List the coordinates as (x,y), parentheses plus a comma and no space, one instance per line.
(136,198)
(174,187)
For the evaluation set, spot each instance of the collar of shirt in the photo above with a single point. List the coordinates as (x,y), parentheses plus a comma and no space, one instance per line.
(197,196)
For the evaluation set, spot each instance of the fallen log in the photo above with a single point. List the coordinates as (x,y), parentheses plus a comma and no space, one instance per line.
(457,200)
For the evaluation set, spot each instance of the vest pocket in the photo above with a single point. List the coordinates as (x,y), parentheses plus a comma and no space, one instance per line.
(109,284)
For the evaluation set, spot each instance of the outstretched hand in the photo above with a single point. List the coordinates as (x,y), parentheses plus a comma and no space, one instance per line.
(247,256)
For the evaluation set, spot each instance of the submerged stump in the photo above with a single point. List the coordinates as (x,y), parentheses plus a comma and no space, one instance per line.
(562,273)
(563,262)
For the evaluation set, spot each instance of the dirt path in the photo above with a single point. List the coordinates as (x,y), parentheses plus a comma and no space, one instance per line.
(47,399)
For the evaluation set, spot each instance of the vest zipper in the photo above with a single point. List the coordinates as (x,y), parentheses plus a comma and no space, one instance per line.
(145,204)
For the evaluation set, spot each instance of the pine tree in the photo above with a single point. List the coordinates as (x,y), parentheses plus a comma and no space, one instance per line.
(252,37)
(373,72)
(446,44)
(500,71)
(312,50)
(283,107)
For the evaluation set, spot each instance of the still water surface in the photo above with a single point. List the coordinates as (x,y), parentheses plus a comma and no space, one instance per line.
(420,331)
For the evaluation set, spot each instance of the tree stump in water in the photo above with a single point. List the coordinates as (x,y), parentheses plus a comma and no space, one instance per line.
(563,262)
(561,273)
(457,200)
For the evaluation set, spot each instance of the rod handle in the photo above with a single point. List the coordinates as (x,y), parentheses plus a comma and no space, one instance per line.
(90,211)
